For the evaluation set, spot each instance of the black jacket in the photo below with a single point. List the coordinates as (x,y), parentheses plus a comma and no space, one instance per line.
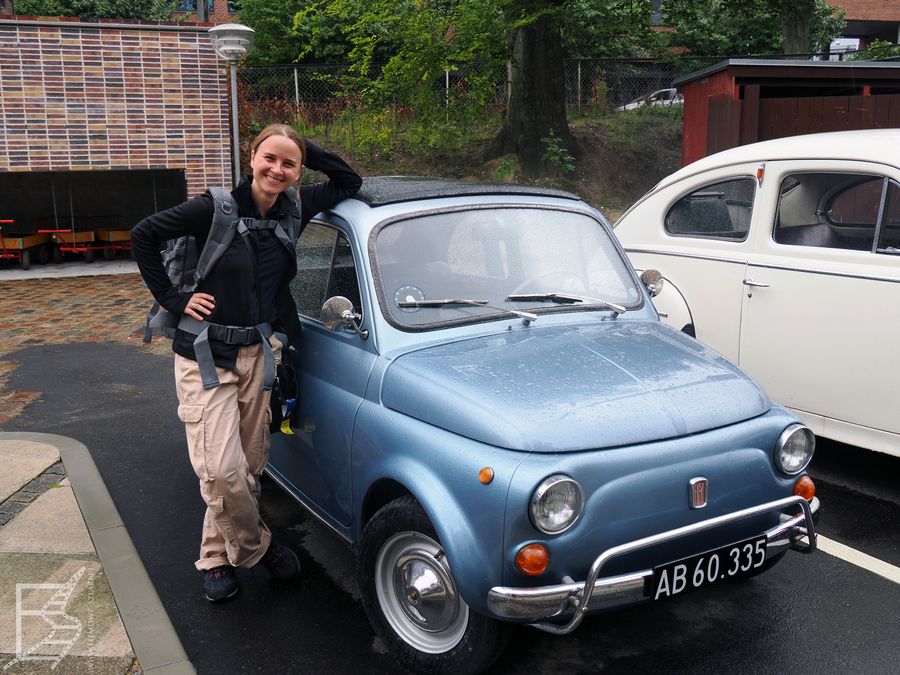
(246,291)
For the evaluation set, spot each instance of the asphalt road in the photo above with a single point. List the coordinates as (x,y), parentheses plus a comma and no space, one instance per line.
(814,613)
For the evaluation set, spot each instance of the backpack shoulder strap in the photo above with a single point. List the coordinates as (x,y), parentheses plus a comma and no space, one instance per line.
(295,226)
(221,232)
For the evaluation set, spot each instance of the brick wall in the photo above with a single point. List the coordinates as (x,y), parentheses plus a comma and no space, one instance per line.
(85,96)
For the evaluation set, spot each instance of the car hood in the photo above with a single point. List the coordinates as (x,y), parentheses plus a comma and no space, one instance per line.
(568,388)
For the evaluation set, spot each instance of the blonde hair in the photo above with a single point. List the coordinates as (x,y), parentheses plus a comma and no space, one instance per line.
(280,130)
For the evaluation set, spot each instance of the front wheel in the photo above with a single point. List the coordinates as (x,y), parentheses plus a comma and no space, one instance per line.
(411,598)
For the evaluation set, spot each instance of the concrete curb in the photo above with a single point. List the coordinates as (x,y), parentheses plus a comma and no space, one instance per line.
(156,644)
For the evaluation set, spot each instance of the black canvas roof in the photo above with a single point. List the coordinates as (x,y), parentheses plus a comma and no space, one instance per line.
(381,190)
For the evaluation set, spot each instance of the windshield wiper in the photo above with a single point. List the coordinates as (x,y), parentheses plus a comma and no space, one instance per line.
(567,297)
(528,317)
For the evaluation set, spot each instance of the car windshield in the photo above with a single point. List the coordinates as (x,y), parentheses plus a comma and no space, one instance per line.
(462,266)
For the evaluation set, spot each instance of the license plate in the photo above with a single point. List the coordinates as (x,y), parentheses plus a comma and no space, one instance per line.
(691,573)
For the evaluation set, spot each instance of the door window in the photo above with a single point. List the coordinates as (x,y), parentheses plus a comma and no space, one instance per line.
(720,211)
(829,210)
(325,268)
(889,241)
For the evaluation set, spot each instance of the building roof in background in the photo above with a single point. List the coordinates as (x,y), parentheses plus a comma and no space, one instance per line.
(869,10)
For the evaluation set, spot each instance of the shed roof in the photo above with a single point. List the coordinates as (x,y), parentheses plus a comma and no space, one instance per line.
(789,68)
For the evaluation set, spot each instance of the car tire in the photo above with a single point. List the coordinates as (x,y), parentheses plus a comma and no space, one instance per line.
(437,634)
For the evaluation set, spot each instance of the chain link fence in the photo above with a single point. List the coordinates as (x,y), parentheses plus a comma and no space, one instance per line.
(317,93)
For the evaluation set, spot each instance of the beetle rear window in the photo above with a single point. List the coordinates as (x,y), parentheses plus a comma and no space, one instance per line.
(719,211)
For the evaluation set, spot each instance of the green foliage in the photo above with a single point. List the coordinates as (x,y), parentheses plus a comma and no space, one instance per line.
(609,28)
(628,131)
(274,42)
(506,170)
(556,154)
(877,49)
(739,27)
(146,10)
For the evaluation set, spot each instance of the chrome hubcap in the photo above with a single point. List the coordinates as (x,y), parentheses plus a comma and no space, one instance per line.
(417,593)
(425,590)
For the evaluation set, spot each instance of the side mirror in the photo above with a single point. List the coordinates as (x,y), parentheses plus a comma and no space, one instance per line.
(337,314)
(653,282)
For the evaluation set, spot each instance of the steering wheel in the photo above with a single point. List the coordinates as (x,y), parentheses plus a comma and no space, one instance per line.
(557,280)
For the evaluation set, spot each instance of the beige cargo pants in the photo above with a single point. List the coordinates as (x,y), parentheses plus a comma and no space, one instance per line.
(228,441)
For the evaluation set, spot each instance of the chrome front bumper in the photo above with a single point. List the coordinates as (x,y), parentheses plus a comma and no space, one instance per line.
(539,604)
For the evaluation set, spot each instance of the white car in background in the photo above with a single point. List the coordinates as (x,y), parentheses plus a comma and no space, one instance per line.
(662,97)
(784,256)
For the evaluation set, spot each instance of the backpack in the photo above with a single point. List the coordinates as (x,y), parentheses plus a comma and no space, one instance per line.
(186,267)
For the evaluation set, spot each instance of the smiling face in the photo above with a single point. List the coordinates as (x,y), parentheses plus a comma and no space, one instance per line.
(277,164)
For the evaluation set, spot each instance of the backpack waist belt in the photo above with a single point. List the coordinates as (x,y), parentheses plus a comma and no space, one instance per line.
(231,335)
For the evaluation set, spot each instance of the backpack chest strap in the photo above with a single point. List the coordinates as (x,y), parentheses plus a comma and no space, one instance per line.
(246,225)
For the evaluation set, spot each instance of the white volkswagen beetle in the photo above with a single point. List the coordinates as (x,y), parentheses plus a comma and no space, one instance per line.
(785,257)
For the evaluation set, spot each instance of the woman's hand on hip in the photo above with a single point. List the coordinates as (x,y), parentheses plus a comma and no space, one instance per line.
(200,306)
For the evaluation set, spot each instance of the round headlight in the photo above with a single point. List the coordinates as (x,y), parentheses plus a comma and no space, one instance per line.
(556,504)
(794,449)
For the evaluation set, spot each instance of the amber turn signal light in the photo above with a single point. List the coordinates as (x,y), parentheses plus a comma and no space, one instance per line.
(532,559)
(804,487)
(486,475)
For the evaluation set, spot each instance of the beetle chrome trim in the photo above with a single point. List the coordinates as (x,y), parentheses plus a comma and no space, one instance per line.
(772,266)
(545,602)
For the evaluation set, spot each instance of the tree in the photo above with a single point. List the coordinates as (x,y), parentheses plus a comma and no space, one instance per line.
(877,49)
(146,10)
(291,31)
(609,29)
(743,27)
(419,40)
(537,87)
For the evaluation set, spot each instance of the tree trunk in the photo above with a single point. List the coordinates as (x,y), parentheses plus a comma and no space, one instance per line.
(795,16)
(537,100)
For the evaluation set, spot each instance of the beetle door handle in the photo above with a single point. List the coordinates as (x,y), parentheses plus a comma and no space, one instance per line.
(755,284)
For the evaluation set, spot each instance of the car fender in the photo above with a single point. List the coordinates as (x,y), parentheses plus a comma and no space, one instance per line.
(441,470)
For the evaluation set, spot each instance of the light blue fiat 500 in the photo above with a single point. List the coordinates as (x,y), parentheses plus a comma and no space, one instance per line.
(494,417)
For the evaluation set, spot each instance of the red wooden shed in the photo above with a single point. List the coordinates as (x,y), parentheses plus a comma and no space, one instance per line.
(741,101)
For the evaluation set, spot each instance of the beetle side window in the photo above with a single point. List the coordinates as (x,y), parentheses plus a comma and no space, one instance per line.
(720,211)
(828,210)
(889,241)
(325,268)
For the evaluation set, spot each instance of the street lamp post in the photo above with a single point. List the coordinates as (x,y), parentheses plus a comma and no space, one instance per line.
(232,42)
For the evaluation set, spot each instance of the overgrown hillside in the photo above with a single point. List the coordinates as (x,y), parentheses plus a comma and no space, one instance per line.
(621,156)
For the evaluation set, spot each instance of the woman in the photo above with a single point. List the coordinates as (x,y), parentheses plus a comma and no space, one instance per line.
(227,422)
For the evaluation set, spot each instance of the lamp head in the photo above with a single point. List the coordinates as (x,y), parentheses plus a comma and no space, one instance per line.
(232,41)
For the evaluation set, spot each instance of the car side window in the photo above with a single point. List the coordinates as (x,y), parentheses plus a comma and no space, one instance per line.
(325,268)
(889,241)
(720,211)
(828,210)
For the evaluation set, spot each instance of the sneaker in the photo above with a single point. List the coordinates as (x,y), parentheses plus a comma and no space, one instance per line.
(281,562)
(219,584)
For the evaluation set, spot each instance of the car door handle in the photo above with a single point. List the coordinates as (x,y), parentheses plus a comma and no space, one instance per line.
(756,284)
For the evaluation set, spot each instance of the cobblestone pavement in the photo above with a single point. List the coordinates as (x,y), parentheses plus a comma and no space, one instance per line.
(107,308)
